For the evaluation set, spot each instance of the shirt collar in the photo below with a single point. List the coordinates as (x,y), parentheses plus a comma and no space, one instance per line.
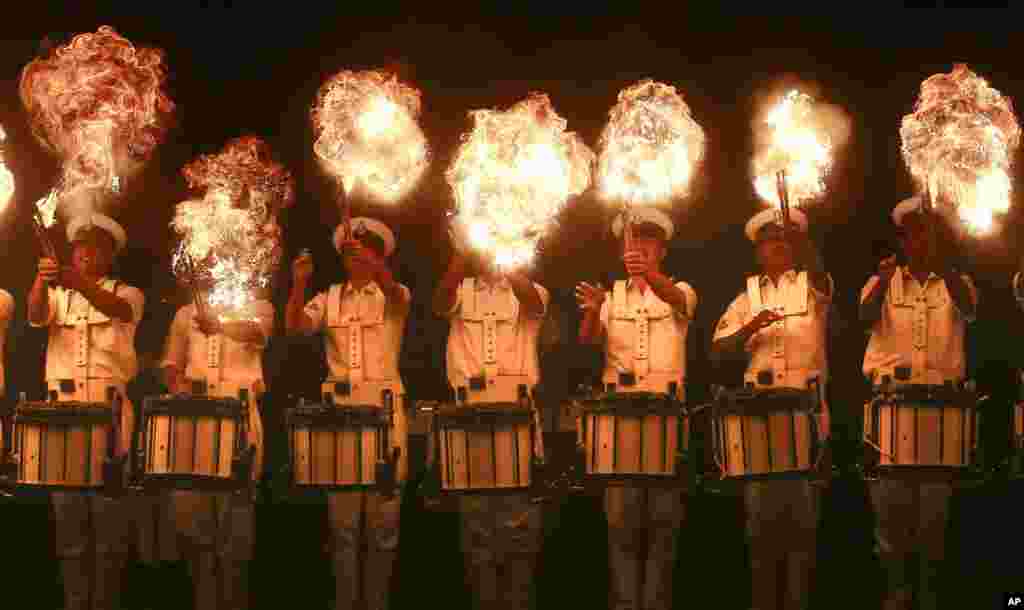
(482,282)
(789,275)
(907,274)
(370,288)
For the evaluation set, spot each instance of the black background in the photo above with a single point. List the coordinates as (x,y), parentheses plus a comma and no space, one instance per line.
(255,70)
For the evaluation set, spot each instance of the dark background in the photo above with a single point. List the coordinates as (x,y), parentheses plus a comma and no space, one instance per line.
(256,70)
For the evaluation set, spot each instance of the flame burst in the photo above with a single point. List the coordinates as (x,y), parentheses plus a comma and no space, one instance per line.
(650,146)
(6,177)
(511,175)
(366,134)
(797,136)
(958,144)
(230,239)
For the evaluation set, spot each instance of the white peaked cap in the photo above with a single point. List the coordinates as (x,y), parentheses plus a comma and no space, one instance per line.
(376,227)
(108,224)
(773,216)
(646,215)
(907,206)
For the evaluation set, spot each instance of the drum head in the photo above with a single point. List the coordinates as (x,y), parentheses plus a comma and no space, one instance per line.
(638,402)
(482,413)
(765,402)
(326,415)
(193,406)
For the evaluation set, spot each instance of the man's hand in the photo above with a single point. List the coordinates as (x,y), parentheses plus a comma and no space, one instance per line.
(48,270)
(72,279)
(762,320)
(302,269)
(886,269)
(636,263)
(589,297)
(208,325)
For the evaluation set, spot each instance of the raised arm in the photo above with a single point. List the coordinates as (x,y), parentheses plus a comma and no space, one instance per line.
(296,321)
(871,303)
(447,290)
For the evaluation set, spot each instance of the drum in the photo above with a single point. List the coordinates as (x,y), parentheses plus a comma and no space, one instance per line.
(335,446)
(923,425)
(765,432)
(62,445)
(637,434)
(484,446)
(192,441)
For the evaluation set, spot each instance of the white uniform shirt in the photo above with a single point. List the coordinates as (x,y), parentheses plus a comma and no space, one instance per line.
(795,347)
(923,331)
(381,343)
(6,312)
(515,333)
(666,335)
(191,351)
(106,350)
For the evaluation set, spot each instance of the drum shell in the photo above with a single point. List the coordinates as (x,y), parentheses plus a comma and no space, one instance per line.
(765,433)
(913,431)
(626,436)
(337,447)
(61,445)
(191,440)
(484,447)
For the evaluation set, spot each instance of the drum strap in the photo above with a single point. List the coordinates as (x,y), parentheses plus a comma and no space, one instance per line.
(355,322)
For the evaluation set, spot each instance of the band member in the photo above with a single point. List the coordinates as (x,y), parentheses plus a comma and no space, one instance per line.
(6,311)
(92,319)
(777,327)
(495,320)
(917,313)
(642,323)
(362,320)
(207,356)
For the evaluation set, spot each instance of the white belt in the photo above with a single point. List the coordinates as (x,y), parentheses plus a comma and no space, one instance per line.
(225,388)
(85,389)
(917,377)
(791,378)
(360,392)
(648,382)
(497,388)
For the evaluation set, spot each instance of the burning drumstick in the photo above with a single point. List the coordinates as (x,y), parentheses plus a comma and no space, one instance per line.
(649,150)
(796,140)
(958,144)
(511,176)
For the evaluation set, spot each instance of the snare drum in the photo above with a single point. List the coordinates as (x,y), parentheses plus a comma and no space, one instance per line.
(192,441)
(633,434)
(765,432)
(923,426)
(484,446)
(335,446)
(61,445)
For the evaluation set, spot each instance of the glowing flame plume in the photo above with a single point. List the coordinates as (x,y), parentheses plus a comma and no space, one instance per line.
(796,139)
(511,175)
(958,145)
(366,134)
(230,238)
(6,177)
(650,148)
(98,103)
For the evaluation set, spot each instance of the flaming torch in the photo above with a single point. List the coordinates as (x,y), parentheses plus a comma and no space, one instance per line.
(230,239)
(366,136)
(958,145)
(511,175)
(796,139)
(6,177)
(98,104)
(649,149)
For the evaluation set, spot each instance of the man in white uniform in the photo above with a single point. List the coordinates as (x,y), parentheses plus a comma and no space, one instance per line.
(778,328)
(918,314)
(492,351)
(92,320)
(207,356)
(642,323)
(362,320)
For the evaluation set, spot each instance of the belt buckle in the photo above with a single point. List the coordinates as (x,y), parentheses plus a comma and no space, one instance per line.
(199,388)
(627,379)
(478,384)
(766,377)
(67,386)
(902,373)
(343,388)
